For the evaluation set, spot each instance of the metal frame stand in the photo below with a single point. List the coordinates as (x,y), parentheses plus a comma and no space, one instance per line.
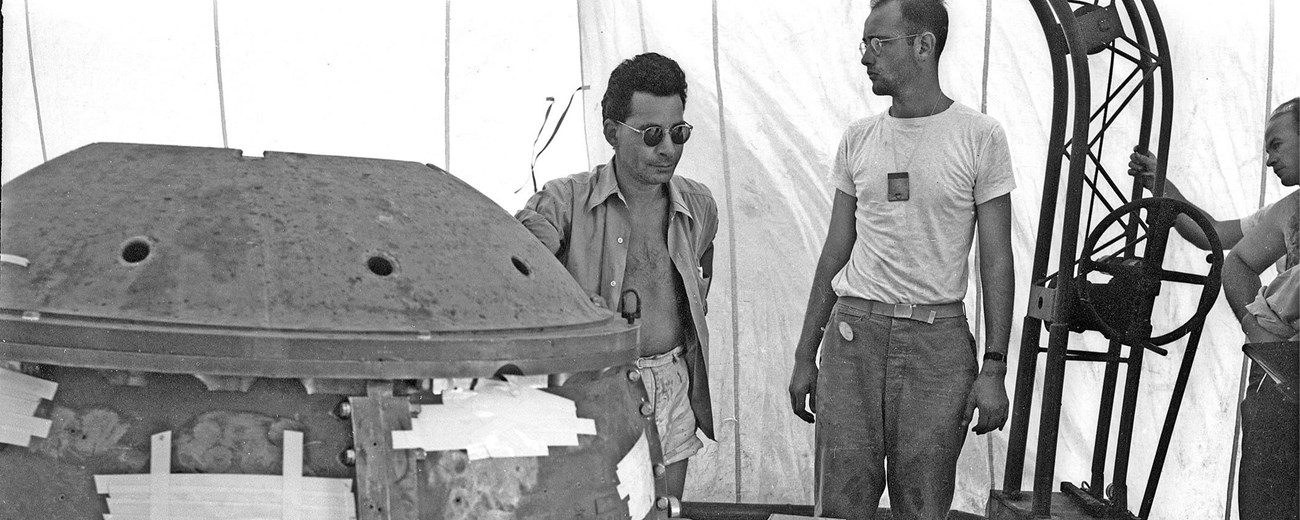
(1067,301)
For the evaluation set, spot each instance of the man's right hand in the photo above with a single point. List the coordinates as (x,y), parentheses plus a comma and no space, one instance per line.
(1142,166)
(803,390)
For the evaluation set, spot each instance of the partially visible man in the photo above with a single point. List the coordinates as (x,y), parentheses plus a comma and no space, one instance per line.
(631,224)
(1142,166)
(1270,447)
(1267,487)
(899,380)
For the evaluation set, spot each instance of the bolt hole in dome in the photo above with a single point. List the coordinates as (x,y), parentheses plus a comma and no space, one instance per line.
(380,265)
(521,266)
(135,250)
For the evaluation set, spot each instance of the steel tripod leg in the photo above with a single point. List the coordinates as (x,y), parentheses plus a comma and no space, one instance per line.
(1049,422)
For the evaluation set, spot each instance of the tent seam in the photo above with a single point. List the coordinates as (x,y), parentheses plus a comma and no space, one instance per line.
(446,89)
(1243,379)
(731,253)
(582,78)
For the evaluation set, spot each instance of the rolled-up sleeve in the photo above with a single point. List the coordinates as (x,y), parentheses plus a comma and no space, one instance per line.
(546,215)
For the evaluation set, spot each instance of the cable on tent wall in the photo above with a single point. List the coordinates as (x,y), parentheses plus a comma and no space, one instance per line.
(1243,379)
(31,63)
(731,244)
(582,78)
(979,280)
(221,91)
(446,91)
(988,37)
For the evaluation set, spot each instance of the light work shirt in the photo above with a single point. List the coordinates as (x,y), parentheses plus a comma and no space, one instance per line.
(584,220)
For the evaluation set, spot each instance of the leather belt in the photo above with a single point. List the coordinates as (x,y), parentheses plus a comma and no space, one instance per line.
(659,360)
(909,311)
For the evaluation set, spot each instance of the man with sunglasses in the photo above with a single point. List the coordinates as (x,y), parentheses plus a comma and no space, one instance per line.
(632,225)
(899,380)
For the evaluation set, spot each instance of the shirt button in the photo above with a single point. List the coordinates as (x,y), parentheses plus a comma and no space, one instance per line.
(620,240)
(613,284)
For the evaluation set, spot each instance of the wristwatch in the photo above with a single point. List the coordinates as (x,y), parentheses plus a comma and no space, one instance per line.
(995,356)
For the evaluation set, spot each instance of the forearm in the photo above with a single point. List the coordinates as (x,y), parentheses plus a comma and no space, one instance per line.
(998,283)
(821,299)
(1191,232)
(1186,227)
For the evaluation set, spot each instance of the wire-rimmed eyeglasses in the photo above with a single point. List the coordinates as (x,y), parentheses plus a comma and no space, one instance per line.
(654,134)
(876,44)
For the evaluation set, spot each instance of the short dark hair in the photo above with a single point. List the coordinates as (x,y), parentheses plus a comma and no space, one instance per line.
(922,16)
(652,73)
(1292,107)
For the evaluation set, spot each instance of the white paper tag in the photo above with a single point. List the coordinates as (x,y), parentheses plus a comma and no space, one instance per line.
(846,331)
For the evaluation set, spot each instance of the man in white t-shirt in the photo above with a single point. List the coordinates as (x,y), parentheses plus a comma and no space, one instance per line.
(899,380)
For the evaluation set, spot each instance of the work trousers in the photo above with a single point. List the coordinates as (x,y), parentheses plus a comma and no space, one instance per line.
(1268,483)
(891,395)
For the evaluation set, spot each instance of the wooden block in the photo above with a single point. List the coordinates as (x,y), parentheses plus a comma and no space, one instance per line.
(1003,507)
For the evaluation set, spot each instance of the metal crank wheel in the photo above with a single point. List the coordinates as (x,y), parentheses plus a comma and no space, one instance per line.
(1116,307)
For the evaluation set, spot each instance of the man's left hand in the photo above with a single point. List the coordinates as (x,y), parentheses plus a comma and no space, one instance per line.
(989,395)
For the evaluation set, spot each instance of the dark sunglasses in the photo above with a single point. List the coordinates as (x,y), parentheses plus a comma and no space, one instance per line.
(654,134)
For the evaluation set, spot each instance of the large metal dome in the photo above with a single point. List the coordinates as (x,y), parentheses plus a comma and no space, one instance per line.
(202,260)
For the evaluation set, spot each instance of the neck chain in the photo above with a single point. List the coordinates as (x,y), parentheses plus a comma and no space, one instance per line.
(893,146)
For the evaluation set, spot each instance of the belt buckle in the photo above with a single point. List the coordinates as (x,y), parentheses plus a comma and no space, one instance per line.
(903,310)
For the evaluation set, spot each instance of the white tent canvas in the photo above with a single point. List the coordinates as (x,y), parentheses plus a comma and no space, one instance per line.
(463,85)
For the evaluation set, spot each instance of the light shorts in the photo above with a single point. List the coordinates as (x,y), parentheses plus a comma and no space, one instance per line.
(668,385)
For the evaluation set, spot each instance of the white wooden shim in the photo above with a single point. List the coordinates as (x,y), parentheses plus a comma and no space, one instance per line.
(228,510)
(18,384)
(225,484)
(18,405)
(34,426)
(291,481)
(14,436)
(160,468)
(271,496)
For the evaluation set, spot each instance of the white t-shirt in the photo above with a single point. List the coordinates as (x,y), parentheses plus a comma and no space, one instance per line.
(915,251)
(1252,220)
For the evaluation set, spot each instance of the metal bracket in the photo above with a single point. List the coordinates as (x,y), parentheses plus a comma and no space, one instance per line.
(387,480)
(1042,303)
(1099,26)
